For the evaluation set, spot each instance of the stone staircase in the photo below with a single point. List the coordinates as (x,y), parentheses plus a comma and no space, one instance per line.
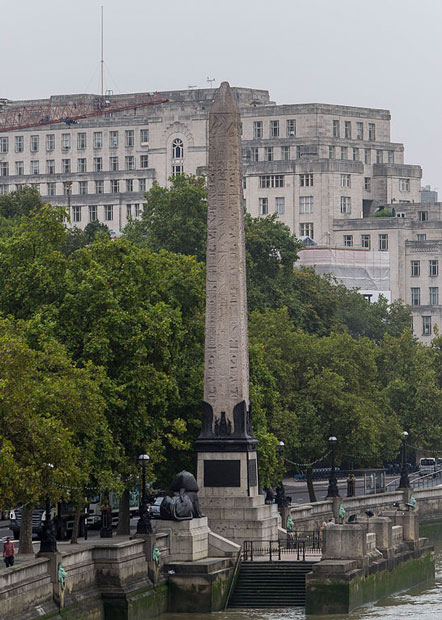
(271,584)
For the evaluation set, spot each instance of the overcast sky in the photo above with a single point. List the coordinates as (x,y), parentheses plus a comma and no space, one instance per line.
(375,53)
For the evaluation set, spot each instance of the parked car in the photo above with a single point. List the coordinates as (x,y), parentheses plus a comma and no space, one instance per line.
(154,509)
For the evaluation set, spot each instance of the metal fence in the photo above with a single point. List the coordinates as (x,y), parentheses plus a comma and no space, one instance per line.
(296,546)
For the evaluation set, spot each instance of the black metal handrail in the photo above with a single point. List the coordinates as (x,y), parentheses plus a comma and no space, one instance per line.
(298,543)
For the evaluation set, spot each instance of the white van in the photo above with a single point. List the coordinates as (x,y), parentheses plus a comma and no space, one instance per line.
(427,466)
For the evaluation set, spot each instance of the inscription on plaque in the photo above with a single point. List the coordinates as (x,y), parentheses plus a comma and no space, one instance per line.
(223,473)
(253,473)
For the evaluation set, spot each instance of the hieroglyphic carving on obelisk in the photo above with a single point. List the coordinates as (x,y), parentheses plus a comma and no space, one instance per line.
(226,372)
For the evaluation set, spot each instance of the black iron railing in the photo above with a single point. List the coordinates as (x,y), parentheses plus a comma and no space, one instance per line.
(296,546)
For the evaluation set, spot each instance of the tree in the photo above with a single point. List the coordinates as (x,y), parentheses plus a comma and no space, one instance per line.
(21,202)
(174,218)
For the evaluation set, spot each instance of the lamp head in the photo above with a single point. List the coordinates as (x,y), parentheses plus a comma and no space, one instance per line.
(332,440)
(144,459)
(404,435)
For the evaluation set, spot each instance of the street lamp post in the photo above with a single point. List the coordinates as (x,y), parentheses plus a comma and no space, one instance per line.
(333,490)
(144,525)
(48,540)
(404,482)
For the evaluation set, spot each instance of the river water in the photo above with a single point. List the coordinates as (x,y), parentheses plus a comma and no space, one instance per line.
(420,603)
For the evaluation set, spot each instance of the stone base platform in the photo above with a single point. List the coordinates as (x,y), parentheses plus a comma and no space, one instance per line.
(189,540)
(242,518)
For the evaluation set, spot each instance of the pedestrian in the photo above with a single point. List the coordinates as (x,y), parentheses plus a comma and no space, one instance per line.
(8,552)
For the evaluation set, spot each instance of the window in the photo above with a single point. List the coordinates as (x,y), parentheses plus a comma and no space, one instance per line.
(50,141)
(177,169)
(141,185)
(129,133)
(50,166)
(65,141)
(331,152)
(379,157)
(177,149)
(113,163)
(345,180)
(128,211)
(415,268)
(298,152)
(404,185)
(306,180)
(422,216)
(271,180)
(51,189)
(4,169)
(434,295)
(137,210)
(99,187)
(268,153)
(130,162)
(348,241)
(383,242)
(108,212)
(4,145)
(76,213)
(4,188)
(244,183)
(67,187)
(390,157)
(274,129)
(144,136)
(306,204)
(19,168)
(98,140)
(347,130)
(306,229)
(285,153)
(81,164)
(98,164)
(415,296)
(81,141)
(129,185)
(92,213)
(257,129)
(254,153)
(367,156)
(113,139)
(280,205)
(359,131)
(355,154)
(19,144)
(434,267)
(367,184)
(366,242)
(35,167)
(65,165)
(421,237)
(371,131)
(144,161)
(345,204)
(263,206)
(114,186)
(35,141)
(336,129)
(426,326)
(291,127)
(343,152)
(82,187)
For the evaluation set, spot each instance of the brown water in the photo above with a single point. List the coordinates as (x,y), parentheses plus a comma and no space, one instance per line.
(420,603)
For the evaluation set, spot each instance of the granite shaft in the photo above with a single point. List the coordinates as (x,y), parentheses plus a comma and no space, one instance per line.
(226,371)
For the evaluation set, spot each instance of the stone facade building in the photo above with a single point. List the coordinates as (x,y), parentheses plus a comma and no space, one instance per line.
(323,169)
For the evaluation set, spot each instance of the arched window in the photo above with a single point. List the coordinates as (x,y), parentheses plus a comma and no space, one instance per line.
(177,149)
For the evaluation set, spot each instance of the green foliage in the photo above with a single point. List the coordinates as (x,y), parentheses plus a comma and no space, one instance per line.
(384,213)
(20,203)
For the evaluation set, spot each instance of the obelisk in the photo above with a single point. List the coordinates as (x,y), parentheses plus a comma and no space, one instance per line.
(227,461)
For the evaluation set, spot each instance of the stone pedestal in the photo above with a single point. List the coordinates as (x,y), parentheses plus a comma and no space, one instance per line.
(189,540)
(242,518)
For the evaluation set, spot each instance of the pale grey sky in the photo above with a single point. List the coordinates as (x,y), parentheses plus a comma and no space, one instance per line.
(376,53)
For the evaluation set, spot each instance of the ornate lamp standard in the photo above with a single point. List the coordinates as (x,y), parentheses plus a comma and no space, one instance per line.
(404,482)
(144,525)
(333,490)
(48,540)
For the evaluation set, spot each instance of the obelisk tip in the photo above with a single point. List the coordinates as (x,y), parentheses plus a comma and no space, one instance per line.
(224,99)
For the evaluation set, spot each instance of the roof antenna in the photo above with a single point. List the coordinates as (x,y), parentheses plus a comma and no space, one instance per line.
(210,81)
(102,53)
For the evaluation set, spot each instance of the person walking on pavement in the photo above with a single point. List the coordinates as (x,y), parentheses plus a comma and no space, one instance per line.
(8,552)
